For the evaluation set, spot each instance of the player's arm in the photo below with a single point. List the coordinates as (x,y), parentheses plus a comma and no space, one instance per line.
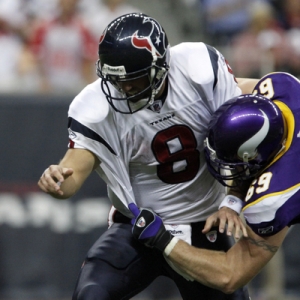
(247,84)
(227,271)
(65,179)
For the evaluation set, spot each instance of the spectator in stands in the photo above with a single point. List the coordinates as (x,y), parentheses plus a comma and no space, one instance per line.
(28,70)
(13,12)
(11,49)
(12,20)
(290,14)
(66,50)
(293,42)
(263,41)
(223,19)
(290,20)
(41,9)
(107,11)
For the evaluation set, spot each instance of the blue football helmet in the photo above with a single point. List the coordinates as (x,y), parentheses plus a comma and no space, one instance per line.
(131,47)
(244,135)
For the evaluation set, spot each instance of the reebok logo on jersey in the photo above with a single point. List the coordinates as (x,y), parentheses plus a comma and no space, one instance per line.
(72,134)
(212,236)
(265,230)
(141,222)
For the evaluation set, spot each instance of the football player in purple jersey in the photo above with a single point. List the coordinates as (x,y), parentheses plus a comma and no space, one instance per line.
(141,127)
(253,141)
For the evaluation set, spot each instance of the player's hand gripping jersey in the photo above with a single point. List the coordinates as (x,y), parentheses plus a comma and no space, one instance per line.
(273,199)
(154,157)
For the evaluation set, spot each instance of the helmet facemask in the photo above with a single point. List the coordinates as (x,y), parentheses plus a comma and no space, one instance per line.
(229,173)
(245,134)
(155,76)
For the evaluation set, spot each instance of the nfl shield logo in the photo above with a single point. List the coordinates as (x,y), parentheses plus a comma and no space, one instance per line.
(212,236)
(156,106)
(141,222)
(231,201)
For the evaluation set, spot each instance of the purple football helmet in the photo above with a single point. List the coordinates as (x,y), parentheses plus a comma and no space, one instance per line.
(245,134)
(131,47)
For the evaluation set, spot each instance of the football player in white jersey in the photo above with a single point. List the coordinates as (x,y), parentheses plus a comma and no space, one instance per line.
(141,127)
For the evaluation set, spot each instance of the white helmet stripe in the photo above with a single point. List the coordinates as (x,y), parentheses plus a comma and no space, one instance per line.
(250,146)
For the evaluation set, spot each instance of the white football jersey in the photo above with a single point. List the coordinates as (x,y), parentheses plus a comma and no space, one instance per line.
(155,158)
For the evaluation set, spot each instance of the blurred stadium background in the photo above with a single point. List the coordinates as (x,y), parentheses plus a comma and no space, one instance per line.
(43,240)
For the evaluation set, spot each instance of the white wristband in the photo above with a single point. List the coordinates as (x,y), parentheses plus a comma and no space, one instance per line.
(170,246)
(233,203)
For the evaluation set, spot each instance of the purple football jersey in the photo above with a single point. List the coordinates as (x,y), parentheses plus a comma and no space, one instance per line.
(273,199)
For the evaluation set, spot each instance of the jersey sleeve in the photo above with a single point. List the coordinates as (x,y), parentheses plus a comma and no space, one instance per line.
(225,85)
(87,112)
(210,74)
(89,120)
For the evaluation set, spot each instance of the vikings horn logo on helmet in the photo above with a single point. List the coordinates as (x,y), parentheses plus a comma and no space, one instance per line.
(146,42)
(253,142)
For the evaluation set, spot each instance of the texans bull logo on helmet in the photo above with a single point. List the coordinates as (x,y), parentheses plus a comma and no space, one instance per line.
(145,42)
(102,36)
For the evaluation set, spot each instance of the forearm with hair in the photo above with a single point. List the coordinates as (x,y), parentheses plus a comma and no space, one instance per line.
(227,271)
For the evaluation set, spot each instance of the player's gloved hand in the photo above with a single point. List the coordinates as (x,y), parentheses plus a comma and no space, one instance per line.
(149,228)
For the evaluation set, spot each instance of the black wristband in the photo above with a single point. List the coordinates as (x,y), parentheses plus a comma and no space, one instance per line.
(163,240)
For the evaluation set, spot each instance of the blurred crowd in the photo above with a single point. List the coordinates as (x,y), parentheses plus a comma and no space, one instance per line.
(258,36)
(51,46)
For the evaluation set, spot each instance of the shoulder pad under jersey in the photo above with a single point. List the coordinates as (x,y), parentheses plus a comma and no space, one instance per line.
(90,105)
